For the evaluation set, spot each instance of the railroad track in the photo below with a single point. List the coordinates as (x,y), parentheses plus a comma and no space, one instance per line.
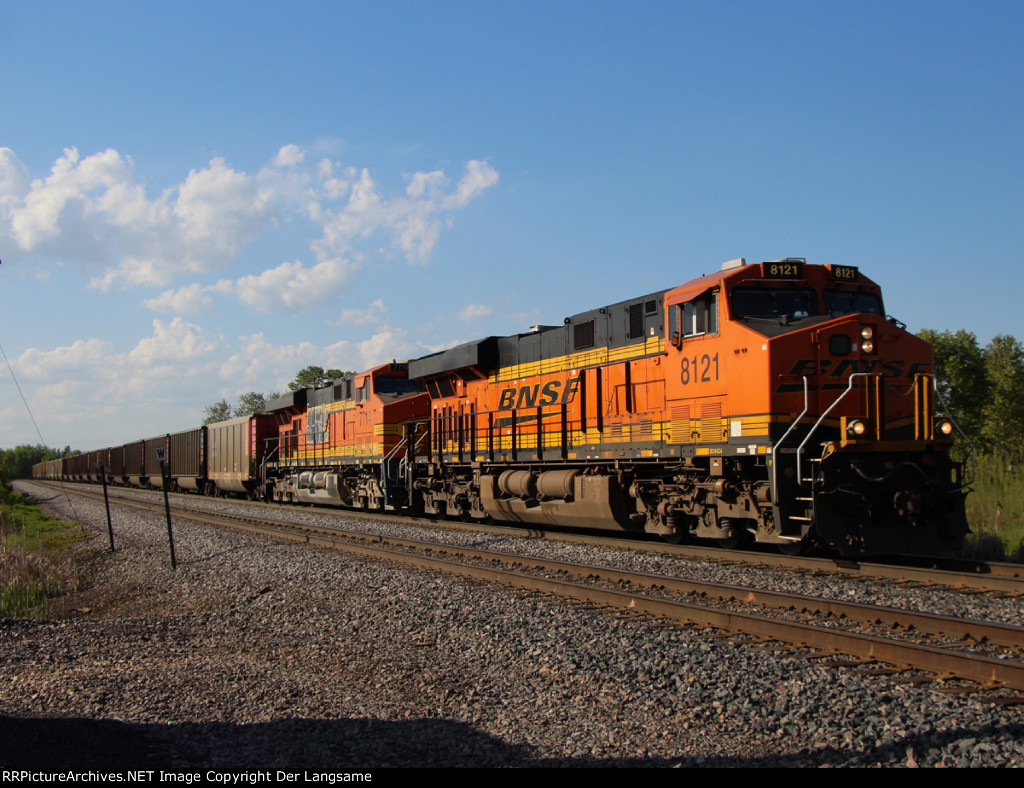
(967,576)
(877,639)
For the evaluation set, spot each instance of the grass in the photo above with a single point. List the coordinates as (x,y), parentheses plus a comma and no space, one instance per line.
(38,560)
(995,511)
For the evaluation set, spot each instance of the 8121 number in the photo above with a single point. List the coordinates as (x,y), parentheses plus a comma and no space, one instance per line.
(699,369)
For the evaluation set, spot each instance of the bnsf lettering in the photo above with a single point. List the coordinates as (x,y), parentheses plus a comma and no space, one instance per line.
(554,392)
(805,367)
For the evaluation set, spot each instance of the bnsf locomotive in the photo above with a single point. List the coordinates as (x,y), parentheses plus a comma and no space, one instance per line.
(771,402)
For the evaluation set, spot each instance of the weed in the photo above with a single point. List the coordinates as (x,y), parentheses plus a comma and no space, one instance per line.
(38,561)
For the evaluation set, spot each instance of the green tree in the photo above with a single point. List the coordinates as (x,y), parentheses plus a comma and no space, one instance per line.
(219,411)
(18,461)
(313,377)
(962,377)
(250,403)
(5,491)
(1004,411)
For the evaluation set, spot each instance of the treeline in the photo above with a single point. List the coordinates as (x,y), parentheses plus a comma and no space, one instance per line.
(17,463)
(983,387)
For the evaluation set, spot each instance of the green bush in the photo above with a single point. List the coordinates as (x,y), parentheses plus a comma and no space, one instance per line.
(995,511)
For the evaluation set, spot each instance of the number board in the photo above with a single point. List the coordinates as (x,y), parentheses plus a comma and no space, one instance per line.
(783,269)
(845,273)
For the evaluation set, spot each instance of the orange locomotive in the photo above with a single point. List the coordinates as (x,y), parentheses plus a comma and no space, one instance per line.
(772,401)
(344,444)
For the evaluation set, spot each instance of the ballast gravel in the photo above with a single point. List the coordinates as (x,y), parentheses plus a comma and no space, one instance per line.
(256,654)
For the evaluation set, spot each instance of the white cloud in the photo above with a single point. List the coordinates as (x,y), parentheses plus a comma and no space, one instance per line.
(14,187)
(474,312)
(262,366)
(189,300)
(82,357)
(292,286)
(358,317)
(478,177)
(389,344)
(163,382)
(415,220)
(95,212)
(73,388)
(289,156)
(174,341)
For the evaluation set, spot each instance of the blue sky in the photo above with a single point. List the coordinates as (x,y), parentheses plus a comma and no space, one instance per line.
(199,199)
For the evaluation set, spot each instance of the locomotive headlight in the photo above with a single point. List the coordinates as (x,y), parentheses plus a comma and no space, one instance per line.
(944,427)
(867,333)
(855,428)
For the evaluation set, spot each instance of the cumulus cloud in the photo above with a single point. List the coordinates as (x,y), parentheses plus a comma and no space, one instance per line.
(83,357)
(290,156)
(474,312)
(72,385)
(94,211)
(292,286)
(414,220)
(174,341)
(189,300)
(14,185)
(260,365)
(359,317)
(388,344)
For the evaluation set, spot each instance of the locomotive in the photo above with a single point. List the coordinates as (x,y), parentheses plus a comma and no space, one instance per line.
(770,402)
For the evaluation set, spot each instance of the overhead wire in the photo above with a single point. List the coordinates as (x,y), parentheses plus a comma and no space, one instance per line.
(39,433)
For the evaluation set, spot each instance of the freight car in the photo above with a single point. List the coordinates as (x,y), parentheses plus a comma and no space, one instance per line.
(772,402)
(236,452)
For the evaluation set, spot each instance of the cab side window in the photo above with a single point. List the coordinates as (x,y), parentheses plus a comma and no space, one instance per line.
(697,317)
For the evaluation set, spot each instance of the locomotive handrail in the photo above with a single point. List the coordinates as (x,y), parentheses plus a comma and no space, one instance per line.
(775,448)
(821,418)
(968,441)
(384,468)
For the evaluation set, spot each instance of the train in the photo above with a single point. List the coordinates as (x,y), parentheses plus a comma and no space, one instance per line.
(770,403)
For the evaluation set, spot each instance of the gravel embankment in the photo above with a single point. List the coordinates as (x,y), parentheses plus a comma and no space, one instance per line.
(255,654)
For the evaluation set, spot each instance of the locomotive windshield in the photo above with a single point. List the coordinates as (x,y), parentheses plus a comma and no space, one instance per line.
(384,385)
(845,302)
(774,302)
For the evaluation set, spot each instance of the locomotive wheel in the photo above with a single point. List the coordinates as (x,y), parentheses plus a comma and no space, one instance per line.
(733,542)
(738,535)
(794,548)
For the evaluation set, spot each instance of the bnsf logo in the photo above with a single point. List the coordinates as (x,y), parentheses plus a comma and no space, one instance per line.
(847,367)
(554,392)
